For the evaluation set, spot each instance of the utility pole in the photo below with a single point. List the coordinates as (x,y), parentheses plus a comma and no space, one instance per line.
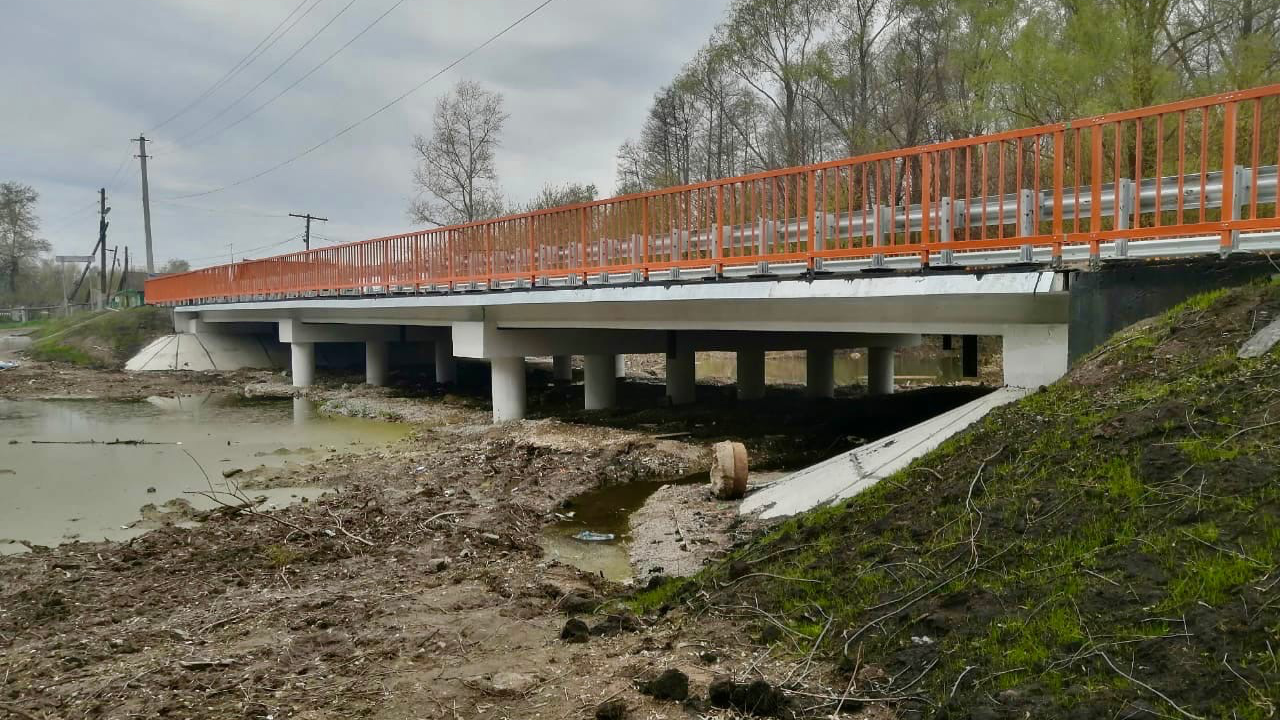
(124,275)
(306,236)
(102,244)
(146,201)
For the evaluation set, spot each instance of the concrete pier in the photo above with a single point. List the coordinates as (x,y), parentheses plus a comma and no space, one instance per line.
(879,371)
(446,365)
(820,373)
(508,388)
(562,368)
(376,362)
(303,363)
(600,386)
(750,374)
(681,381)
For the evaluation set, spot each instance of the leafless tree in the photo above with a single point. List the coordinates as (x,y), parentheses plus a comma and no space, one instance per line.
(456,175)
(18,227)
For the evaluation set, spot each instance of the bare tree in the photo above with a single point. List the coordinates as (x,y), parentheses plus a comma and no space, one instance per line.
(18,226)
(552,196)
(456,176)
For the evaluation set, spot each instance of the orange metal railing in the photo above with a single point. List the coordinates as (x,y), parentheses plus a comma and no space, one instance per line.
(1192,168)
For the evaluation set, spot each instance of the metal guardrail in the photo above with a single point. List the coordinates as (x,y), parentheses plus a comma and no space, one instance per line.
(1196,176)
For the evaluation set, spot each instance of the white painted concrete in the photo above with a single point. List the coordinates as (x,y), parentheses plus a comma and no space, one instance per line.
(879,370)
(562,368)
(303,363)
(820,373)
(446,365)
(508,388)
(620,366)
(850,473)
(376,362)
(750,372)
(212,351)
(600,386)
(1034,355)
(681,381)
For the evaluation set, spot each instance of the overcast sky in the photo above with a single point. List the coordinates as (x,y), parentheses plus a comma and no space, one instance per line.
(84,76)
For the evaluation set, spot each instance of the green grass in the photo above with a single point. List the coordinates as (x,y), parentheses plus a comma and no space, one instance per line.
(102,339)
(1129,512)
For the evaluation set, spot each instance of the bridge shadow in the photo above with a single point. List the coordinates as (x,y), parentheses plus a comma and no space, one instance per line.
(784,430)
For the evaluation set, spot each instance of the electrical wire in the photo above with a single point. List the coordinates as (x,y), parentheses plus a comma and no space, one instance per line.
(268,76)
(294,238)
(241,65)
(299,81)
(371,115)
(222,211)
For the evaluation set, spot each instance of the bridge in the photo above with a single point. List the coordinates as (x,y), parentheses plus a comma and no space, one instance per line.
(977,236)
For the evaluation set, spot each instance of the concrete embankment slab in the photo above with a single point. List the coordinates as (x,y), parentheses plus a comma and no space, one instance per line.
(186,351)
(850,473)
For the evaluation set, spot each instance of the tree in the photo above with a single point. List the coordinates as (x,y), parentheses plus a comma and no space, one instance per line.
(174,265)
(456,176)
(18,225)
(552,196)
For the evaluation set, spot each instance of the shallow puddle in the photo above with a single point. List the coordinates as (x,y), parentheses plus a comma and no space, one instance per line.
(55,486)
(605,510)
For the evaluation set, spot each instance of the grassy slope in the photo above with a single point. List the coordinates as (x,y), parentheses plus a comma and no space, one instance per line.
(102,339)
(1109,540)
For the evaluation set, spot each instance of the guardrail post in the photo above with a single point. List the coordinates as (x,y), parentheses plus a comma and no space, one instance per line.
(946,224)
(1059,170)
(717,239)
(1027,201)
(883,218)
(1240,190)
(813,217)
(1230,237)
(1122,207)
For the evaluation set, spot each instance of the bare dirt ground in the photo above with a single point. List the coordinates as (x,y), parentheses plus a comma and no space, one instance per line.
(417,590)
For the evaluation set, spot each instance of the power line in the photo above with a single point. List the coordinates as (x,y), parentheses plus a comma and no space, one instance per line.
(299,81)
(268,246)
(239,66)
(371,115)
(221,211)
(269,75)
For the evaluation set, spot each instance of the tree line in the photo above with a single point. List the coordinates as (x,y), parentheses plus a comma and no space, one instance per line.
(791,82)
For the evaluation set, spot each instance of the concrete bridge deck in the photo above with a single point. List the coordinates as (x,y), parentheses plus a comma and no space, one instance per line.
(971,236)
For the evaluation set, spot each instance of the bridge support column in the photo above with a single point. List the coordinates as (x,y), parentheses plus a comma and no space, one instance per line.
(820,373)
(562,368)
(303,366)
(446,365)
(681,382)
(879,370)
(508,388)
(620,366)
(600,385)
(750,374)
(375,362)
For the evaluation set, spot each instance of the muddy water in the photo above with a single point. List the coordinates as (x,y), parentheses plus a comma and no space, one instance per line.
(605,510)
(850,368)
(54,487)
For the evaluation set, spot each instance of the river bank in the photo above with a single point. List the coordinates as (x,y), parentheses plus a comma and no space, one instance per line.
(417,588)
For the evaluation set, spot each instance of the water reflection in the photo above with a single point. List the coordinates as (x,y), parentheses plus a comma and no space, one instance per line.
(62,476)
